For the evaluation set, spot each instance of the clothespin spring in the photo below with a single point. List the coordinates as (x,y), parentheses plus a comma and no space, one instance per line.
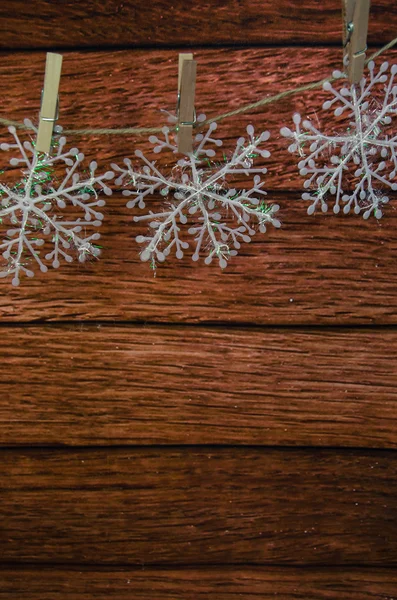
(193,122)
(349,33)
(49,119)
(355,17)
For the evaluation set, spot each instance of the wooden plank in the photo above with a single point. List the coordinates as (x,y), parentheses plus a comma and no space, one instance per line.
(190,506)
(158,385)
(323,270)
(47,24)
(300,272)
(191,584)
(119,89)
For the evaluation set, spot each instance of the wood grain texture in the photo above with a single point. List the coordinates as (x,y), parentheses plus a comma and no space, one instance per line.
(118,89)
(195,584)
(184,506)
(322,270)
(159,385)
(46,24)
(295,275)
(194,518)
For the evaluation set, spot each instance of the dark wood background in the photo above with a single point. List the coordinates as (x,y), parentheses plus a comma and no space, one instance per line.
(198,434)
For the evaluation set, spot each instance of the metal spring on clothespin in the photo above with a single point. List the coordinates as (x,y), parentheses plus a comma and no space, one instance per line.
(355,20)
(185,110)
(49,110)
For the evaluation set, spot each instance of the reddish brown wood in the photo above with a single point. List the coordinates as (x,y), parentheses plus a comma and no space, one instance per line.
(188,584)
(46,24)
(320,270)
(119,89)
(199,506)
(145,385)
(165,385)
(332,269)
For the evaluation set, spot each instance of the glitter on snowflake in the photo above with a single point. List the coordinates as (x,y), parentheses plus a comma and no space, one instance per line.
(34,209)
(199,190)
(362,158)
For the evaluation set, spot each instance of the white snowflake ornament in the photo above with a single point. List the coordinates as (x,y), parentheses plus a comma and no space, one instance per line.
(351,169)
(51,205)
(198,190)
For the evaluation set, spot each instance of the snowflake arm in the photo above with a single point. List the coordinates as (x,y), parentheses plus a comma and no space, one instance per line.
(198,190)
(35,208)
(365,152)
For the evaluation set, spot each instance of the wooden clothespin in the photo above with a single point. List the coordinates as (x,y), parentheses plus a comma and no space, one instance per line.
(185,106)
(355,18)
(49,102)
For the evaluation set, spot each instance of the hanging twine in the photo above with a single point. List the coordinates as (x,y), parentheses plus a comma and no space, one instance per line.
(238,111)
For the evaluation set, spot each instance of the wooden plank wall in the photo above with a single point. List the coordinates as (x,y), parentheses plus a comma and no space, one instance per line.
(198,434)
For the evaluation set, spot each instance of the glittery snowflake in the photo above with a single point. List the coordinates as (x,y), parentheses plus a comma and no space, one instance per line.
(352,168)
(42,208)
(198,190)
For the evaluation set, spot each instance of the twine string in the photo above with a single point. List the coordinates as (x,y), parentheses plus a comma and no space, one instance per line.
(238,111)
